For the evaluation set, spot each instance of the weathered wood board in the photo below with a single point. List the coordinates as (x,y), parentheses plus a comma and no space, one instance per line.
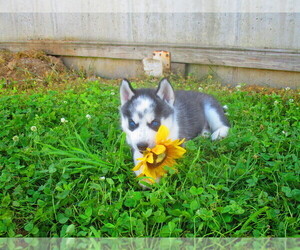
(272,59)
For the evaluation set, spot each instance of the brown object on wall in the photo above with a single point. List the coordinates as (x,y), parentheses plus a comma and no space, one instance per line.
(165,58)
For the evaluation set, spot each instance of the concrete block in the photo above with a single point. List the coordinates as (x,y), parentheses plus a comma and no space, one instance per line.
(153,67)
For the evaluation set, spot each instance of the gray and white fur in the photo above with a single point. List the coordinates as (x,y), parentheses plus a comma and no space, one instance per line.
(187,114)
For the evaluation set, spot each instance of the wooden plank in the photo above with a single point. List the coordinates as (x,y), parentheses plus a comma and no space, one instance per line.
(285,60)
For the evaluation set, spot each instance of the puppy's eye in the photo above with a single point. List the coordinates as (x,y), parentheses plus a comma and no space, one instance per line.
(154,125)
(132,125)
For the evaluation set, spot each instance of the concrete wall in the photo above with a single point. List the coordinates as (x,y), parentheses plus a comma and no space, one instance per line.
(242,30)
(234,75)
(273,34)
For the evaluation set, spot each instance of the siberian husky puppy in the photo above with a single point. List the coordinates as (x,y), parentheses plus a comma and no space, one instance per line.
(186,114)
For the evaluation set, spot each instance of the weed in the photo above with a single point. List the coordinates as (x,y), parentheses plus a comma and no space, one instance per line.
(65,167)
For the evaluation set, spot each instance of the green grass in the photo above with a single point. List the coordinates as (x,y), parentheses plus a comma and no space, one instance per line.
(74,179)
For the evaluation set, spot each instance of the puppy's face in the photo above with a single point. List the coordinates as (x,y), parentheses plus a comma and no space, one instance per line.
(142,113)
(141,123)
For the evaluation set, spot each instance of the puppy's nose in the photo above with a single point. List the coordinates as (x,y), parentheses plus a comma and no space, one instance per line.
(142,146)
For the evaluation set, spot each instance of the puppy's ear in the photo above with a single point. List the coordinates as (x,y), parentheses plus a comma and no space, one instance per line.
(126,91)
(165,91)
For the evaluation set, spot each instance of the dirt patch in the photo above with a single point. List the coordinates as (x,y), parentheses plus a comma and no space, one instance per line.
(284,93)
(263,89)
(31,67)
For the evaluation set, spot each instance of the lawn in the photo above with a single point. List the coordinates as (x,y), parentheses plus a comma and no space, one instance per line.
(65,168)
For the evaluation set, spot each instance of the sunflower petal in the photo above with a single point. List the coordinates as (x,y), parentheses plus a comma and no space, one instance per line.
(159,171)
(141,159)
(149,172)
(159,149)
(138,166)
(162,134)
(149,158)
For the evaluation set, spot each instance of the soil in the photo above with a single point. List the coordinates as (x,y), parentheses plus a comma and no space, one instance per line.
(30,65)
(263,90)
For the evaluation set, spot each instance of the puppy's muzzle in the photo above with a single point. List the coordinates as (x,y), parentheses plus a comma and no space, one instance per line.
(142,146)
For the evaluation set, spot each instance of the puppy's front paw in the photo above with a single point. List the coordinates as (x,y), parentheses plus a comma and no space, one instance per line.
(220,133)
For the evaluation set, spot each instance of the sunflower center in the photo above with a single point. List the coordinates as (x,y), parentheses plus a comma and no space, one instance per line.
(157,160)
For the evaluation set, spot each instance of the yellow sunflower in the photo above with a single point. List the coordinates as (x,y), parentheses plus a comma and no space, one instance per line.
(163,154)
